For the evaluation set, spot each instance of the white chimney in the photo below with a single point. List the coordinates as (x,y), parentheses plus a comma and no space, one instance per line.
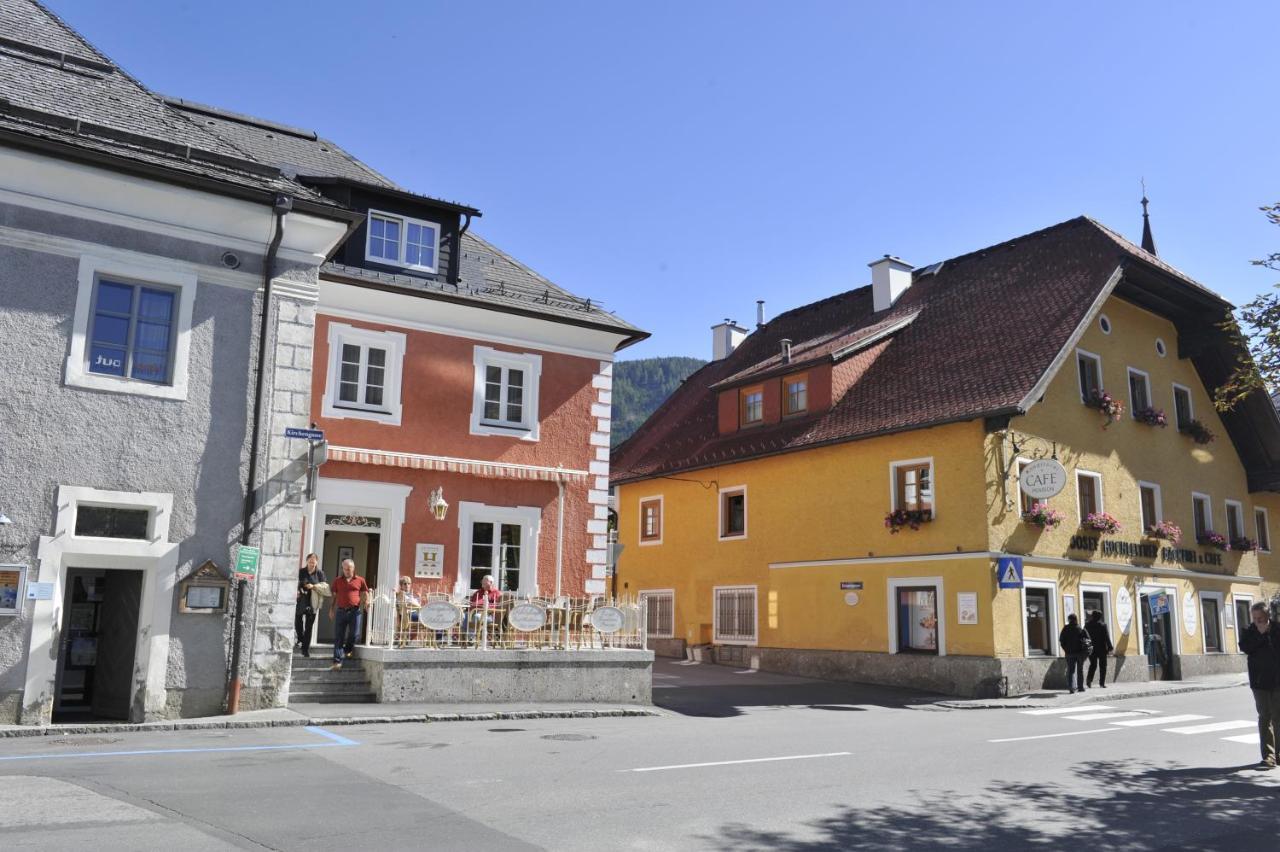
(759,312)
(725,338)
(890,278)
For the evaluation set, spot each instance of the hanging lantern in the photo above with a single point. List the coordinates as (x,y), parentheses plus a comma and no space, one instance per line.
(439,507)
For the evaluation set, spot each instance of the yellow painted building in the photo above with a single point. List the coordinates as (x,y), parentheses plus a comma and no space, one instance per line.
(755,507)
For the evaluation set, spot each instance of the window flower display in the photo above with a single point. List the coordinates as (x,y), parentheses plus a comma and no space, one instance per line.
(1102,522)
(1199,432)
(1213,539)
(1041,515)
(1244,543)
(913,518)
(1167,530)
(1151,417)
(1108,405)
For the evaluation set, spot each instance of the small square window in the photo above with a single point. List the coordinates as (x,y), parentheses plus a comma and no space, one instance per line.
(913,486)
(751,404)
(733,513)
(384,238)
(651,520)
(131,333)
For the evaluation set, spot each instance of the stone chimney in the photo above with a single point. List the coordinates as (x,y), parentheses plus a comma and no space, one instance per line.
(890,278)
(725,338)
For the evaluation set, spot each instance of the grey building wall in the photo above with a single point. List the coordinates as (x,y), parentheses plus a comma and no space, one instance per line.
(195,449)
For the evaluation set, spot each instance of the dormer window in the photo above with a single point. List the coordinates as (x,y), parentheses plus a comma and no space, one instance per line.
(401,241)
(797,393)
(751,406)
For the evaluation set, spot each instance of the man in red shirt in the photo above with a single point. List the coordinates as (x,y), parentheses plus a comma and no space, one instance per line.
(350,594)
(483,599)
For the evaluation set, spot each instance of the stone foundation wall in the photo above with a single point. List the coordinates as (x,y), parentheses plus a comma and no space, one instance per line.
(464,676)
(1199,665)
(668,647)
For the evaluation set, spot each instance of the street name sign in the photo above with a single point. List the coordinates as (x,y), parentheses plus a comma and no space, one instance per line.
(309,434)
(1009,572)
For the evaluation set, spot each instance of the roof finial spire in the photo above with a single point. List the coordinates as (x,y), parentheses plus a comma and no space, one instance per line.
(1148,241)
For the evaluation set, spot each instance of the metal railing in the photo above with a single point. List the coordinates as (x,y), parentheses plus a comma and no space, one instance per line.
(439,620)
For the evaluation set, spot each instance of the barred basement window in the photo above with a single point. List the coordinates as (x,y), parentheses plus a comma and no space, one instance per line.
(660,611)
(735,615)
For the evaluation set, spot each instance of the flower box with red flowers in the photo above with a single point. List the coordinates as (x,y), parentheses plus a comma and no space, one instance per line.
(1213,539)
(912,518)
(1199,432)
(1166,530)
(1151,417)
(1244,543)
(1042,516)
(1102,522)
(1107,404)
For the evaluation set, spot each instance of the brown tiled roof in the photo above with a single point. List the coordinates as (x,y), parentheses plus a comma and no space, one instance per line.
(984,329)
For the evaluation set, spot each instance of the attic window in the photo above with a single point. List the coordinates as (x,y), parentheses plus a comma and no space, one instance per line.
(1104,323)
(402,241)
(751,405)
(797,393)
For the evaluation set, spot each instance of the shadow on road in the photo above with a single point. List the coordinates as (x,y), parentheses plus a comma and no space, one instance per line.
(1126,806)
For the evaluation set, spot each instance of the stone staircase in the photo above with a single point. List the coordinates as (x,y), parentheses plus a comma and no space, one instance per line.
(313,683)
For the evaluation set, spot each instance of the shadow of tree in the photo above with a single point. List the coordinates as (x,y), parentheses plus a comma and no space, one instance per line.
(1110,805)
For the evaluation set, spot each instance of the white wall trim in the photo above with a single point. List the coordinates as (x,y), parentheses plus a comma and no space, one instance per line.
(395,344)
(895,583)
(384,500)
(1055,620)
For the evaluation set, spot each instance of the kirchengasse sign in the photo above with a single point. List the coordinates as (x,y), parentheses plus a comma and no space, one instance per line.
(1144,550)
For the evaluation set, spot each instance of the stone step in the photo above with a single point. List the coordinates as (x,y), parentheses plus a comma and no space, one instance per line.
(305,697)
(326,676)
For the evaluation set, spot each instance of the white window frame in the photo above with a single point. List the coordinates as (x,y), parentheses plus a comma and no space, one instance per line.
(1142,483)
(1191,403)
(1097,359)
(644,594)
(394,343)
(1108,613)
(662,527)
(529,518)
(1146,379)
(404,221)
(933,482)
(1017,481)
(896,583)
(715,615)
(720,536)
(1244,531)
(1262,527)
(178,278)
(531,364)
(1222,628)
(1208,504)
(1235,616)
(1097,477)
(1055,602)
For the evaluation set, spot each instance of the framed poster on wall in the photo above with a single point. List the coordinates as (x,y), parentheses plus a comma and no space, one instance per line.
(429,561)
(12,579)
(345,552)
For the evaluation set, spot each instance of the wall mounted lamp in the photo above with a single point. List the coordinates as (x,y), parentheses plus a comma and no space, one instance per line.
(439,507)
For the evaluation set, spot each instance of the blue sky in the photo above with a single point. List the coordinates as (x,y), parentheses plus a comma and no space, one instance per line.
(679,160)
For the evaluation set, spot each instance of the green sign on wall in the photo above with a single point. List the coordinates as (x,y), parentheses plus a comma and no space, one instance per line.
(247,562)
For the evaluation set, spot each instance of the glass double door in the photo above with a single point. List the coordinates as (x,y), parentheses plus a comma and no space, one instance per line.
(1157,631)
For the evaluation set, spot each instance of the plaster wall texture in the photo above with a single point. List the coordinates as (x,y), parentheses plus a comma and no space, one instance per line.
(195,449)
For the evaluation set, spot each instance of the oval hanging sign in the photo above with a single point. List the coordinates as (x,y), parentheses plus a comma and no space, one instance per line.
(607,619)
(438,615)
(1042,479)
(527,617)
(1124,610)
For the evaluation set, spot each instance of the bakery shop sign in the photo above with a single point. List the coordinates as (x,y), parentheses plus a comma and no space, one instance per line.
(1143,550)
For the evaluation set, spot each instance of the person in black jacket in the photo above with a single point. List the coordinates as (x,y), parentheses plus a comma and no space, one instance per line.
(1261,641)
(1101,639)
(1076,646)
(304,615)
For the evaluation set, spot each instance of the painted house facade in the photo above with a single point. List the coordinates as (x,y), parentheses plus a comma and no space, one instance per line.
(134,249)
(838,495)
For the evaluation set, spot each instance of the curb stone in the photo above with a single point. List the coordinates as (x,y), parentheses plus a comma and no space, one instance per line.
(1014,703)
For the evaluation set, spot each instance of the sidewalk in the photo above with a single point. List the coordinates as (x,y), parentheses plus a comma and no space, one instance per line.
(298,715)
(1113,692)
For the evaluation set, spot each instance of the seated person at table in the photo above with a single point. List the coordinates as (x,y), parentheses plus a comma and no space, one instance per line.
(407,606)
(488,595)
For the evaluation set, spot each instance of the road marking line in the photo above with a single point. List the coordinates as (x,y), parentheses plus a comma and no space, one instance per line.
(1055,711)
(336,742)
(1160,720)
(1050,736)
(733,762)
(1214,726)
(1098,717)
(1253,738)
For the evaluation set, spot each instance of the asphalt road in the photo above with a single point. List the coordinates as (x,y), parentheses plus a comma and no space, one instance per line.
(741,761)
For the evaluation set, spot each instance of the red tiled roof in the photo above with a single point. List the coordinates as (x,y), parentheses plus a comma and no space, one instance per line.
(983,331)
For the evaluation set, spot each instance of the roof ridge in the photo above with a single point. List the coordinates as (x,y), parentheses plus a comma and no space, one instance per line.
(74,33)
(1075,221)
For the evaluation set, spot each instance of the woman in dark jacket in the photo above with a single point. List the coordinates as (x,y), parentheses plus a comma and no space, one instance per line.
(304,616)
(1075,645)
(1101,639)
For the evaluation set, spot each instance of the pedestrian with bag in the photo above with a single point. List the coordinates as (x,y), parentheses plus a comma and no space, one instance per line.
(1101,639)
(1261,641)
(1077,647)
(304,611)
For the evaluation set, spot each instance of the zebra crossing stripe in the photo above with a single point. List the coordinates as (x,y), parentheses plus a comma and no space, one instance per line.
(1098,717)
(1253,738)
(1213,727)
(1160,720)
(1056,711)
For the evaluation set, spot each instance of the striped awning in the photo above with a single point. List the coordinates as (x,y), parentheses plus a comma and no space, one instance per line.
(473,467)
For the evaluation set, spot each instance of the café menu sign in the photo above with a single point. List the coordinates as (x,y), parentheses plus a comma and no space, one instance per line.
(1144,550)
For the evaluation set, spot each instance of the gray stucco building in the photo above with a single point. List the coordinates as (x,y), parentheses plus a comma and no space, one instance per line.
(134,250)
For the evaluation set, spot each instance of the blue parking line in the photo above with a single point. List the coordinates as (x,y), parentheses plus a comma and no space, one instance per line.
(336,742)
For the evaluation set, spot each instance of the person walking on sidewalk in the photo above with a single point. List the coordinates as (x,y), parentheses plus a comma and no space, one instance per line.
(1261,641)
(304,613)
(1101,639)
(349,595)
(1076,647)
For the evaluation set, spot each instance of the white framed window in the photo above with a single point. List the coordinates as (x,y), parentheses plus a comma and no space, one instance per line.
(1242,604)
(1201,513)
(1089,493)
(660,612)
(1183,412)
(365,374)
(917,617)
(734,615)
(651,520)
(498,540)
(751,405)
(732,521)
(1025,502)
(506,393)
(131,331)
(1211,622)
(1040,618)
(1089,367)
(1150,501)
(1139,391)
(912,487)
(796,392)
(1262,528)
(1235,519)
(1096,597)
(402,241)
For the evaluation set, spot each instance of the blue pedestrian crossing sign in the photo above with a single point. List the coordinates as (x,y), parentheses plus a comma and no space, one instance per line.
(1009,572)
